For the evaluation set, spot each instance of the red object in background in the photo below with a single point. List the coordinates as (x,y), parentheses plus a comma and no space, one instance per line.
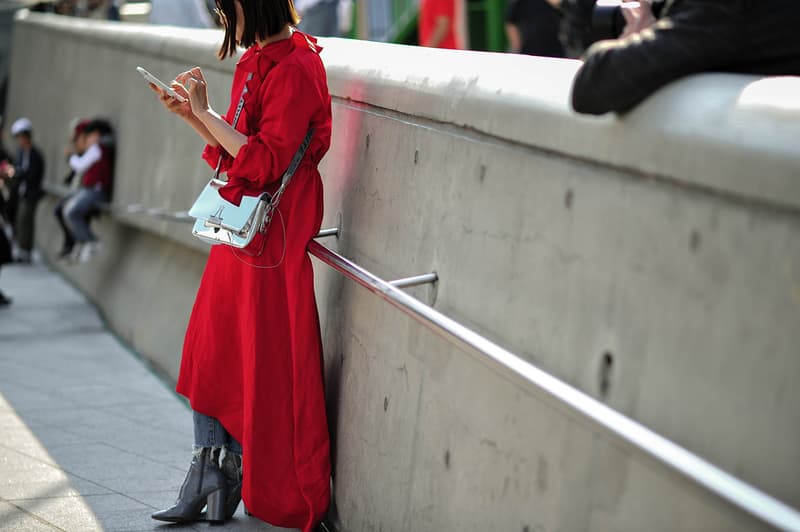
(252,356)
(6,169)
(429,12)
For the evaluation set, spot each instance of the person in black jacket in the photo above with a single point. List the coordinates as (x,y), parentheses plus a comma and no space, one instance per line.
(689,37)
(532,27)
(27,177)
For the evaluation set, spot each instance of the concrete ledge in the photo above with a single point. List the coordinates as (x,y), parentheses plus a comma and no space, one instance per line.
(728,133)
(744,124)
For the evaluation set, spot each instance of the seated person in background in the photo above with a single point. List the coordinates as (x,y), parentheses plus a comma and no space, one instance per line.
(70,181)
(532,27)
(688,37)
(95,161)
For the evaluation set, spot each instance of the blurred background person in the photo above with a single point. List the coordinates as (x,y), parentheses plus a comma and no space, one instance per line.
(187,13)
(441,24)
(532,27)
(114,9)
(26,177)
(318,17)
(66,7)
(71,181)
(5,188)
(5,255)
(94,161)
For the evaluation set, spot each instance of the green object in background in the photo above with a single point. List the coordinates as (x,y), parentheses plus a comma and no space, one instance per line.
(405,16)
(485,24)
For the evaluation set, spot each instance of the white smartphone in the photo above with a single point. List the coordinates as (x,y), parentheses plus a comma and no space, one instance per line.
(160,84)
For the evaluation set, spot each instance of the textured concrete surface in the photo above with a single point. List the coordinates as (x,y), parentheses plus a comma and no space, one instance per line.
(90,439)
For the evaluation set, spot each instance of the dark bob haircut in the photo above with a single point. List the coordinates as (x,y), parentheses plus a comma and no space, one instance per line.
(262,19)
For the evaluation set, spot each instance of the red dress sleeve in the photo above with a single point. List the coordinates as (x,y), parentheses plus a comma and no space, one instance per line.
(212,154)
(287,105)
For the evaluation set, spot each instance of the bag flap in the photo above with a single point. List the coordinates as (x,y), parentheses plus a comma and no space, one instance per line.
(217,210)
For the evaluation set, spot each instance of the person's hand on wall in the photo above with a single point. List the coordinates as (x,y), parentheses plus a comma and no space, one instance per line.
(638,17)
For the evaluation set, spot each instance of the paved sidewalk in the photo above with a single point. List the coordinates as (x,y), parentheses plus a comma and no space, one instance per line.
(89,438)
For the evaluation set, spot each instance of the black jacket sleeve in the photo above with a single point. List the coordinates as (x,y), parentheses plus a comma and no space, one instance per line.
(34,177)
(694,36)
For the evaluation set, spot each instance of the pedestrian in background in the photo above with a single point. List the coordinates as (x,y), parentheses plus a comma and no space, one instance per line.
(114,9)
(441,24)
(6,209)
(187,13)
(532,27)
(27,175)
(252,355)
(318,17)
(5,255)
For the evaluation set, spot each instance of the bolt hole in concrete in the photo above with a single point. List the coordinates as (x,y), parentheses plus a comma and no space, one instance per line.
(694,241)
(568,199)
(606,365)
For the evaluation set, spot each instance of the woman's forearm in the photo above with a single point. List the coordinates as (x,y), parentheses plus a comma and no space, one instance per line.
(227,137)
(202,130)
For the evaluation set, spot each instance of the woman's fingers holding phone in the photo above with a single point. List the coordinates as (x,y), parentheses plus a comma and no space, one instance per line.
(172,105)
(180,89)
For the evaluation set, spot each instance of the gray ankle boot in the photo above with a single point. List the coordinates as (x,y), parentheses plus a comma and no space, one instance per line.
(232,469)
(205,484)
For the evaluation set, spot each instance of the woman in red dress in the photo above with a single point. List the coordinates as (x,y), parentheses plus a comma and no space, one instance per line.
(252,355)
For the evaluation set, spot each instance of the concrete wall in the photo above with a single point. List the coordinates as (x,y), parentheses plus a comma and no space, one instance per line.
(651,261)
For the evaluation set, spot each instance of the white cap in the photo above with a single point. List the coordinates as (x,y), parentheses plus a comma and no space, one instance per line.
(22,124)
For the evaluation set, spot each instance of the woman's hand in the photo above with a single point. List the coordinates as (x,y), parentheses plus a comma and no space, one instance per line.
(196,90)
(182,109)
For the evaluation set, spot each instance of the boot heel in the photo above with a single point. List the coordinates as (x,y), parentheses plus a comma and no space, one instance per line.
(215,512)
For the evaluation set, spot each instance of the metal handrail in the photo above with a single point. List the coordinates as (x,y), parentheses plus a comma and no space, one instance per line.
(740,494)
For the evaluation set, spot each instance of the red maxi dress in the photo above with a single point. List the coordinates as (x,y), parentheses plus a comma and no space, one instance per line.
(252,355)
